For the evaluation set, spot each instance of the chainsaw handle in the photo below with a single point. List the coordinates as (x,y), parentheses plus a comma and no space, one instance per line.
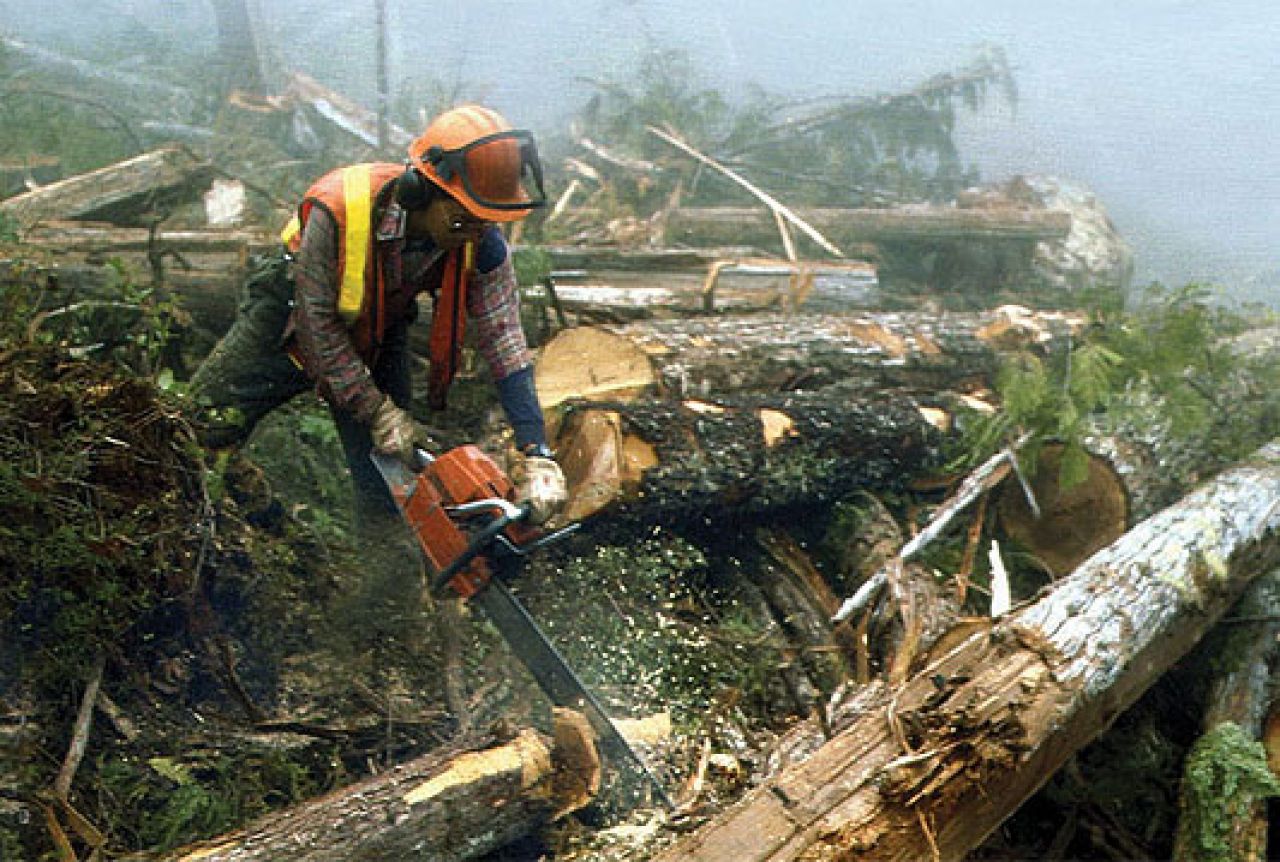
(509,514)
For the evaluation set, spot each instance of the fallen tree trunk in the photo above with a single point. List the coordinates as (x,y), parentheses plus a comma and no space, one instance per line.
(741,225)
(1223,809)
(436,809)
(770,352)
(928,769)
(733,285)
(120,193)
(106,239)
(691,459)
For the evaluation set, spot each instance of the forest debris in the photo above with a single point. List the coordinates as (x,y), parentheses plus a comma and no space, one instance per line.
(345,114)
(448,805)
(1013,703)
(124,725)
(80,735)
(650,730)
(1224,789)
(989,474)
(125,192)
(691,790)
(55,808)
(1001,600)
(778,209)
(578,768)
(1069,523)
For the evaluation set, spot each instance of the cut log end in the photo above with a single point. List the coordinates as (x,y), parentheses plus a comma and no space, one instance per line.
(592,363)
(1074,522)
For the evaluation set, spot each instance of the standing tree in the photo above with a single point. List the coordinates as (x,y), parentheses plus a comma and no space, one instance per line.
(239,58)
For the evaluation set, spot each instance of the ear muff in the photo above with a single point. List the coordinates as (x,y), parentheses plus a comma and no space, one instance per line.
(444,167)
(413,190)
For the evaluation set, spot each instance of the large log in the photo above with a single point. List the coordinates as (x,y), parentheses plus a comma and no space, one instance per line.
(435,809)
(723,284)
(928,769)
(89,238)
(1220,811)
(123,192)
(741,225)
(771,352)
(664,460)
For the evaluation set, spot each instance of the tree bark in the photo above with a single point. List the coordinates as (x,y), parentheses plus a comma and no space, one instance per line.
(662,460)
(742,225)
(1241,695)
(768,353)
(436,809)
(928,769)
(238,57)
(124,193)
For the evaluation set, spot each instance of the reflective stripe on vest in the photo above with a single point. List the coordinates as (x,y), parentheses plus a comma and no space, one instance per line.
(359,201)
(355,222)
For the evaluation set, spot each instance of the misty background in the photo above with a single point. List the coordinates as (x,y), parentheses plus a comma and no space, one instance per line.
(1167,109)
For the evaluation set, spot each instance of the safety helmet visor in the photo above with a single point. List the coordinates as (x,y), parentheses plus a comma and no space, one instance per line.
(499,172)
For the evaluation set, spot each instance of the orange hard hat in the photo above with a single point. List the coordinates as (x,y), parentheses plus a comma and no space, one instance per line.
(474,155)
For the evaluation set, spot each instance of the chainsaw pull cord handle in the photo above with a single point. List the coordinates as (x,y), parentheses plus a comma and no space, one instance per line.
(508,513)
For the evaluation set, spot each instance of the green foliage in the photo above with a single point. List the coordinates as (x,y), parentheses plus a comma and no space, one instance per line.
(298,447)
(859,152)
(126,321)
(532,264)
(1176,345)
(178,800)
(887,148)
(1166,366)
(8,228)
(1225,775)
(1050,399)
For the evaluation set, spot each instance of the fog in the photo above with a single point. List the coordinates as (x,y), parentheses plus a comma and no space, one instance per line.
(1168,109)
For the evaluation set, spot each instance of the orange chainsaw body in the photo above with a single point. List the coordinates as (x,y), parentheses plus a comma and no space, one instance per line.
(461,475)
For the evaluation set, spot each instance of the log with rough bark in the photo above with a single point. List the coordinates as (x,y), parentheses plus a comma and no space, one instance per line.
(1238,702)
(727,284)
(661,460)
(90,238)
(928,769)
(741,225)
(438,808)
(350,117)
(202,269)
(769,353)
(125,192)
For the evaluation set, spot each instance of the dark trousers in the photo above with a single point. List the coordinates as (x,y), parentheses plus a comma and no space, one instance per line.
(249,374)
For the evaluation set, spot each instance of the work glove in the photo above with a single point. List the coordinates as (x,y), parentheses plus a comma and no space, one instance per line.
(540,484)
(394,432)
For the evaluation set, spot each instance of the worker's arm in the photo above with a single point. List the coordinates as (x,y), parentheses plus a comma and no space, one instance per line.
(323,341)
(494,305)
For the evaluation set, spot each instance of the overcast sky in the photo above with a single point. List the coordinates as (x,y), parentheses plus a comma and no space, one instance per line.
(1168,109)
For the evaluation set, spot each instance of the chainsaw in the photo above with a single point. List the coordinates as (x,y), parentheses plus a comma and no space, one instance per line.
(474,537)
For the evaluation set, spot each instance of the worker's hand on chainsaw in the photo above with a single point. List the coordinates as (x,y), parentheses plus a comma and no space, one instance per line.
(539,483)
(394,431)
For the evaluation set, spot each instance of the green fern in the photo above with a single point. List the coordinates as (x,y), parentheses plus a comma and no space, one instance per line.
(1174,347)
(1093,375)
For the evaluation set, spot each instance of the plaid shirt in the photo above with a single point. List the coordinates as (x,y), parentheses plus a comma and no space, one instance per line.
(323,342)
